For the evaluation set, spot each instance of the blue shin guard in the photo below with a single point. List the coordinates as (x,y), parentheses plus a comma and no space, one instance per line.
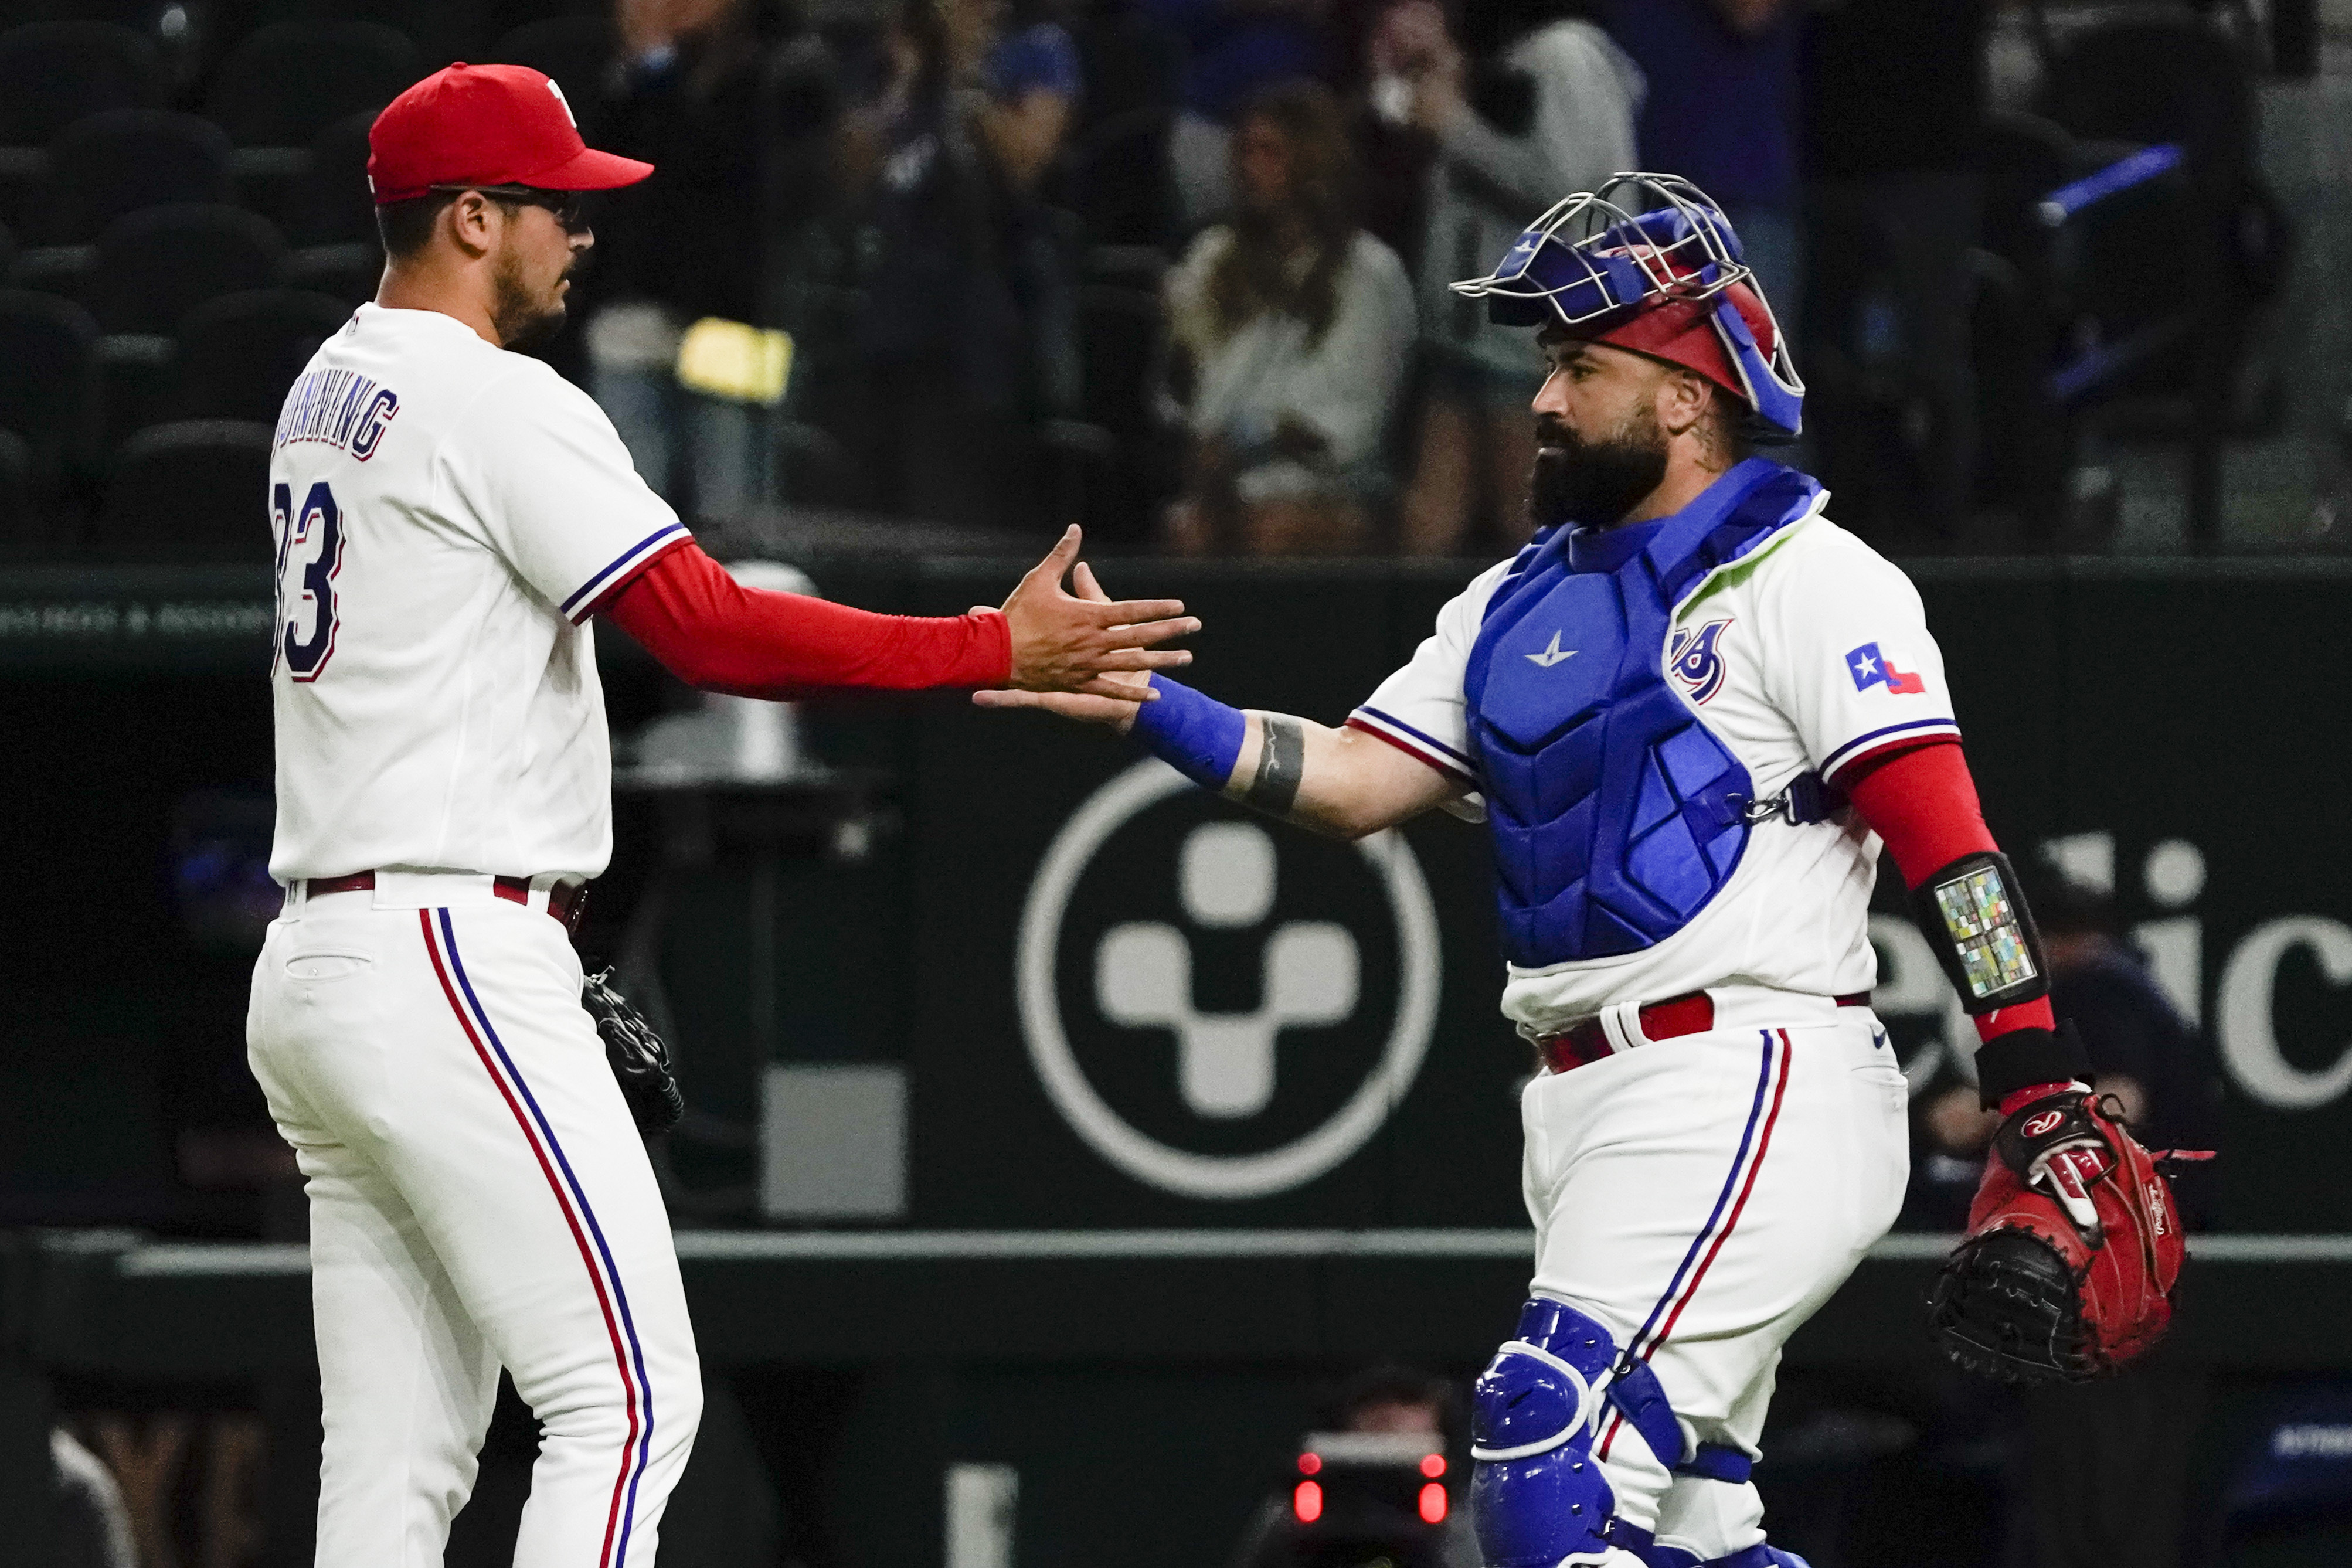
(1536,1493)
(1760,1555)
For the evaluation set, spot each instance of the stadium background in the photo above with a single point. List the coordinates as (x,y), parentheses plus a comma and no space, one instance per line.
(983,1277)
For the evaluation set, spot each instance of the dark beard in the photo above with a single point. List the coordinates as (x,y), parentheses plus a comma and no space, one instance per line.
(1593,484)
(519,322)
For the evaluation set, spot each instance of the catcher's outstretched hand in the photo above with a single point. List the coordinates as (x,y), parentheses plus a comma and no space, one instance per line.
(1110,700)
(1062,642)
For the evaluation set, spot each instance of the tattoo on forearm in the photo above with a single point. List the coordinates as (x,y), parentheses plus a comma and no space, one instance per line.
(1281,764)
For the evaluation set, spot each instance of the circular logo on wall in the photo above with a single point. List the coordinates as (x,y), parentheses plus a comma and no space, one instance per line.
(1223,1010)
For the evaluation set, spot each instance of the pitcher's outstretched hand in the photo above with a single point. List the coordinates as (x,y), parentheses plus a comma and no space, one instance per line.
(1065,644)
(1110,700)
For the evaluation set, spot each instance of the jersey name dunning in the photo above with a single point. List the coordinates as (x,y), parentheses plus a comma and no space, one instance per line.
(340,407)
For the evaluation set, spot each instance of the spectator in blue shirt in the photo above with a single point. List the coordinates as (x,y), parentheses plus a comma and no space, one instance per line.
(1031,78)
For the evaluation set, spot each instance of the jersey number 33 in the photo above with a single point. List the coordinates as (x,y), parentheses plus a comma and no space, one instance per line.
(310,553)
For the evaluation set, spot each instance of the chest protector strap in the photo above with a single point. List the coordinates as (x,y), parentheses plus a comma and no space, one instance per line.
(1616,814)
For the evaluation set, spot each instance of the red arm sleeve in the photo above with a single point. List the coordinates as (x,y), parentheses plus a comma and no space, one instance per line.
(713,632)
(1923,802)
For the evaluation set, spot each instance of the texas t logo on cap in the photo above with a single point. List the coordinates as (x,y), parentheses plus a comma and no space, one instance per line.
(486,125)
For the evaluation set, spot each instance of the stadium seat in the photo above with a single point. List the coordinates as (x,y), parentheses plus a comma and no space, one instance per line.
(1116,178)
(155,267)
(442,31)
(332,219)
(332,205)
(120,161)
(503,17)
(286,83)
(238,354)
(187,493)
(2026,157)
(574,51)
(1127,61)
(2159,78)
(55,73)
(21,533)
(346,272)
(1119,333)
(1119,341)
(48,381)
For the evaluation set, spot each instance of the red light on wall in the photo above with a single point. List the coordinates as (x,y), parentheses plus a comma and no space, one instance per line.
(1309,1463)
(1434,1466)
(1432,1504)
(1307,1502)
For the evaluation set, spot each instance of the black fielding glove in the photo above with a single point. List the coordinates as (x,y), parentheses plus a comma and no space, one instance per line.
(640,1061)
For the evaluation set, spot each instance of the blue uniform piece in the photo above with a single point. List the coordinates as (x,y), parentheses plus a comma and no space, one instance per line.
(1616,814)
(1538,1494)
(1196,734)
(1763,1554)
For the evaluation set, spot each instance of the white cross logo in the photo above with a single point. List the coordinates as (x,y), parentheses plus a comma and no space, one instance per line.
(1144,973)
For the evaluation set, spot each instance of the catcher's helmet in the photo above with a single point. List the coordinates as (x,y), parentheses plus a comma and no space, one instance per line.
(1648,262)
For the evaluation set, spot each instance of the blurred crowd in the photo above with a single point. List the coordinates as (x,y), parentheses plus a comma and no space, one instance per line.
(1179,268)
(1176,265)
(1174,269)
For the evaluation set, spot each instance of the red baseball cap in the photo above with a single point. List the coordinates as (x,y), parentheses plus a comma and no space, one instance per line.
(485,125)
(1683,332)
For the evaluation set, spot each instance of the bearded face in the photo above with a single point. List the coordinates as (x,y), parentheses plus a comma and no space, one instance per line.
(527,298)
(1593,482)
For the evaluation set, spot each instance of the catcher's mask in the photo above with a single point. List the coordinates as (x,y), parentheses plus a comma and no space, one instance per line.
(1648,262)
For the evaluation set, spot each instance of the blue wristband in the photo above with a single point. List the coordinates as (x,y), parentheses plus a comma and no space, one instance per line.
(1197,736)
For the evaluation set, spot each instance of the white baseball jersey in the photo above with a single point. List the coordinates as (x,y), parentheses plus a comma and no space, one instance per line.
(1805,655)
(445,513)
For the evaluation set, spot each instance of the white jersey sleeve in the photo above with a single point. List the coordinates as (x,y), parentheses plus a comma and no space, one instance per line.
(1421,709)
(1851,662)
(552,485)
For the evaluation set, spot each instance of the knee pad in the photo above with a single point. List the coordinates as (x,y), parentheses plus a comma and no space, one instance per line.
(1536,1494)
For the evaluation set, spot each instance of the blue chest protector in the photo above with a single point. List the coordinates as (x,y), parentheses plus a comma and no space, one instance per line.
(1616,814)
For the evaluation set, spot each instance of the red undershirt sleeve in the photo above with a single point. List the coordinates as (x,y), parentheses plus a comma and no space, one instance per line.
(1923,803)
(714,633)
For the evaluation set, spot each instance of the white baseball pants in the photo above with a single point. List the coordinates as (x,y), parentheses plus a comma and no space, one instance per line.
(1702,1197)
(479,1197)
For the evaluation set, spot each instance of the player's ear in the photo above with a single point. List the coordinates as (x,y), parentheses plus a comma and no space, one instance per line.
(470,222)
(1684,399)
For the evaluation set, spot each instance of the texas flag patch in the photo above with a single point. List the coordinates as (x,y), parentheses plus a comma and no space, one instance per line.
(1869,668)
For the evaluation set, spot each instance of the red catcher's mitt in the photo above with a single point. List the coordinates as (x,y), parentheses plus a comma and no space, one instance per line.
(2073,1250)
